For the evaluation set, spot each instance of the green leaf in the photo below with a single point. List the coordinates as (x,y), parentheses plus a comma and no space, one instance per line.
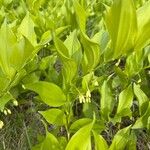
(8,41)
(122,26)
(80,15)
(22,53)
(91,54)
(69,71)
(120,140)
(122,76)
(26,28)
(53,116)
(142,99)
(50,93)
(4,100)
(4,83)
(47,36)
(143,121)
(79,123)
(86,81)
(61,49)
(133,65)
(50,143)
(81,139)
(131,145)
(143,18)
(106,100)
(31,78)
(100,143)
(102,37)
(125,102)
(74,47)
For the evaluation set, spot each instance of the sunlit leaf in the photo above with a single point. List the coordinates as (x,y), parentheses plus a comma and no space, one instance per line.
(125,102)
(50,143)
(106,100)
(83,135)
(50,93)
(122,26)
(120,139)
(53,116)
(100,143)
(143,18)
(142,99)
(26,28)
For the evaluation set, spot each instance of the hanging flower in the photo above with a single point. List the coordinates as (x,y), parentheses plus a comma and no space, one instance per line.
(1,124)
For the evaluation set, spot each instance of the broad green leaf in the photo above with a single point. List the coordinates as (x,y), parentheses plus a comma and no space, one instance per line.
(80,15)
(48,61)
(4,100)
(74,47)
(81,139)
(18,77)
(102,37)
(100,143)
(122,26)
(143,121)
(133,65)
(122,76)
(79,123)
(7,44)
(125,102)
(69,71)
(50,143)
(120,140)
(50,93)
(4,83)
(61,49)
(143,18)
(106,100)
(89,108)
(142,99)
(91,54)
(31,78)
(53,116)
(47,36)
(131,145)
(62,142)
(26,28)
(143,38)
(86,81)
(22,53)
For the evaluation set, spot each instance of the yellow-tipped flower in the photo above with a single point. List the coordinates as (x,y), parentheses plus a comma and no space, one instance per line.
(88,96)
(88,100)
(9,111)
(15,103)
(81,98)
(5,112)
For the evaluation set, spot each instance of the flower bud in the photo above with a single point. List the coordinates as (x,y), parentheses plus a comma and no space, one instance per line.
(9,111)
(15,103)
(88,94)
(5,112)
(1,124)
(81,98)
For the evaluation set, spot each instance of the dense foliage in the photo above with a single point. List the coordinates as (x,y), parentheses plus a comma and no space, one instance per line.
(85,63)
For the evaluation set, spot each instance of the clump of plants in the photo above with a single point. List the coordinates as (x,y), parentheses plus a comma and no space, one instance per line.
(80,68)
